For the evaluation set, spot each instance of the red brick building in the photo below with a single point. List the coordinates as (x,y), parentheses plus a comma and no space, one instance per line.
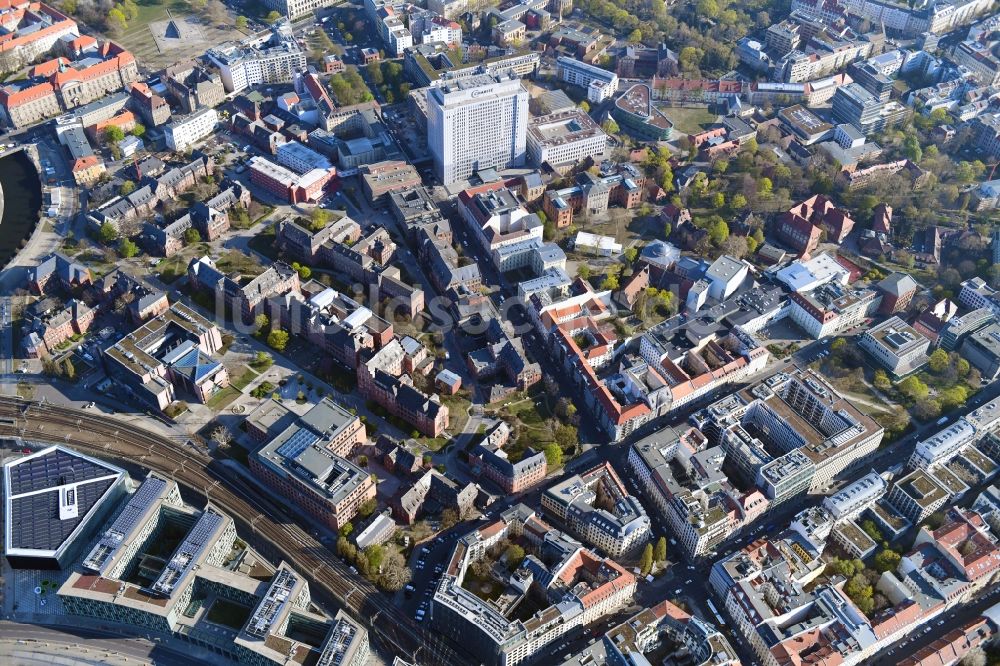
(897,291)
(286,185)
(802,226)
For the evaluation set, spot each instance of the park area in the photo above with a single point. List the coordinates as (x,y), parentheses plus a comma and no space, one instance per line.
(689,120)
(941,386)
(163,32)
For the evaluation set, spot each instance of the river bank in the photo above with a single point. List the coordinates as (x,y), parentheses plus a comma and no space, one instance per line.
(20,202)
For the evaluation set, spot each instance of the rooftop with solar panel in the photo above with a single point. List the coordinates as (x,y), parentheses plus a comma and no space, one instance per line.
(54,501)
(159,564)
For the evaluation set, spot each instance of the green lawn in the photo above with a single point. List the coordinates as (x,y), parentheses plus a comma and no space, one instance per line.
(136,36)
(170,270)
(690,121)
(154,10)
(433,443)
(221,400)
(235,261)
(458,412)
(244,379)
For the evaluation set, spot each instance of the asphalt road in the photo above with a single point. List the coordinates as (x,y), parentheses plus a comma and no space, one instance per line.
(39,644)
(937,628)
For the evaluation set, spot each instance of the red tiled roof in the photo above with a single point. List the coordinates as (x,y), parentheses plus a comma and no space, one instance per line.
(84,163)
(12,99)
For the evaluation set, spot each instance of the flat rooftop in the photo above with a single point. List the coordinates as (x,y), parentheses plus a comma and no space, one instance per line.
(896,335)
(49,496)
(804,121)
(637,100)
(563,126)
(921,488)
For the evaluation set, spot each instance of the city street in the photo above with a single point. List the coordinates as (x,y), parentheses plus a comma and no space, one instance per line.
(28,644)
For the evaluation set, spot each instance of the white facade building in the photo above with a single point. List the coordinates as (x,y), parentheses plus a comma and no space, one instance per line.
(807,275)
(976,294)
(251,62)
(476,123)
(896,346)
(855,498)
(295,8)
(187,130)
(725,276)
(600,84)
(943,446)
(300,158)
(565,137)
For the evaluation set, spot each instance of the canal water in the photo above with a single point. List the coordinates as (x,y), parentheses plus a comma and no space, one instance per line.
(21,202)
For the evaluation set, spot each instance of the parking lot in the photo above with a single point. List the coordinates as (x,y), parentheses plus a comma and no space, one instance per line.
(427,562)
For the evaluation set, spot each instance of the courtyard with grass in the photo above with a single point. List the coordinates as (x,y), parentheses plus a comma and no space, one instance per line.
(243,377)
(223,398)
(689,120)
(228,614)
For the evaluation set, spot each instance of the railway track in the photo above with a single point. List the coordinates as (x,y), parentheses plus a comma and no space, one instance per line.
(107,437)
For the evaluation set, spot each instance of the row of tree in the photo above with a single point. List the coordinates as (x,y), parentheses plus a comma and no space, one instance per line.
(651,554)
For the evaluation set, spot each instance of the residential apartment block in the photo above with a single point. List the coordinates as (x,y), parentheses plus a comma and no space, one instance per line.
(940,448)
(596,507)
(254,61)
(577,589)
(790,434)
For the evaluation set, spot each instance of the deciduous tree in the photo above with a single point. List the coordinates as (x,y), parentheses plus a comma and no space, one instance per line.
(277,339)
(660,554)
(127,249)
(646,561)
